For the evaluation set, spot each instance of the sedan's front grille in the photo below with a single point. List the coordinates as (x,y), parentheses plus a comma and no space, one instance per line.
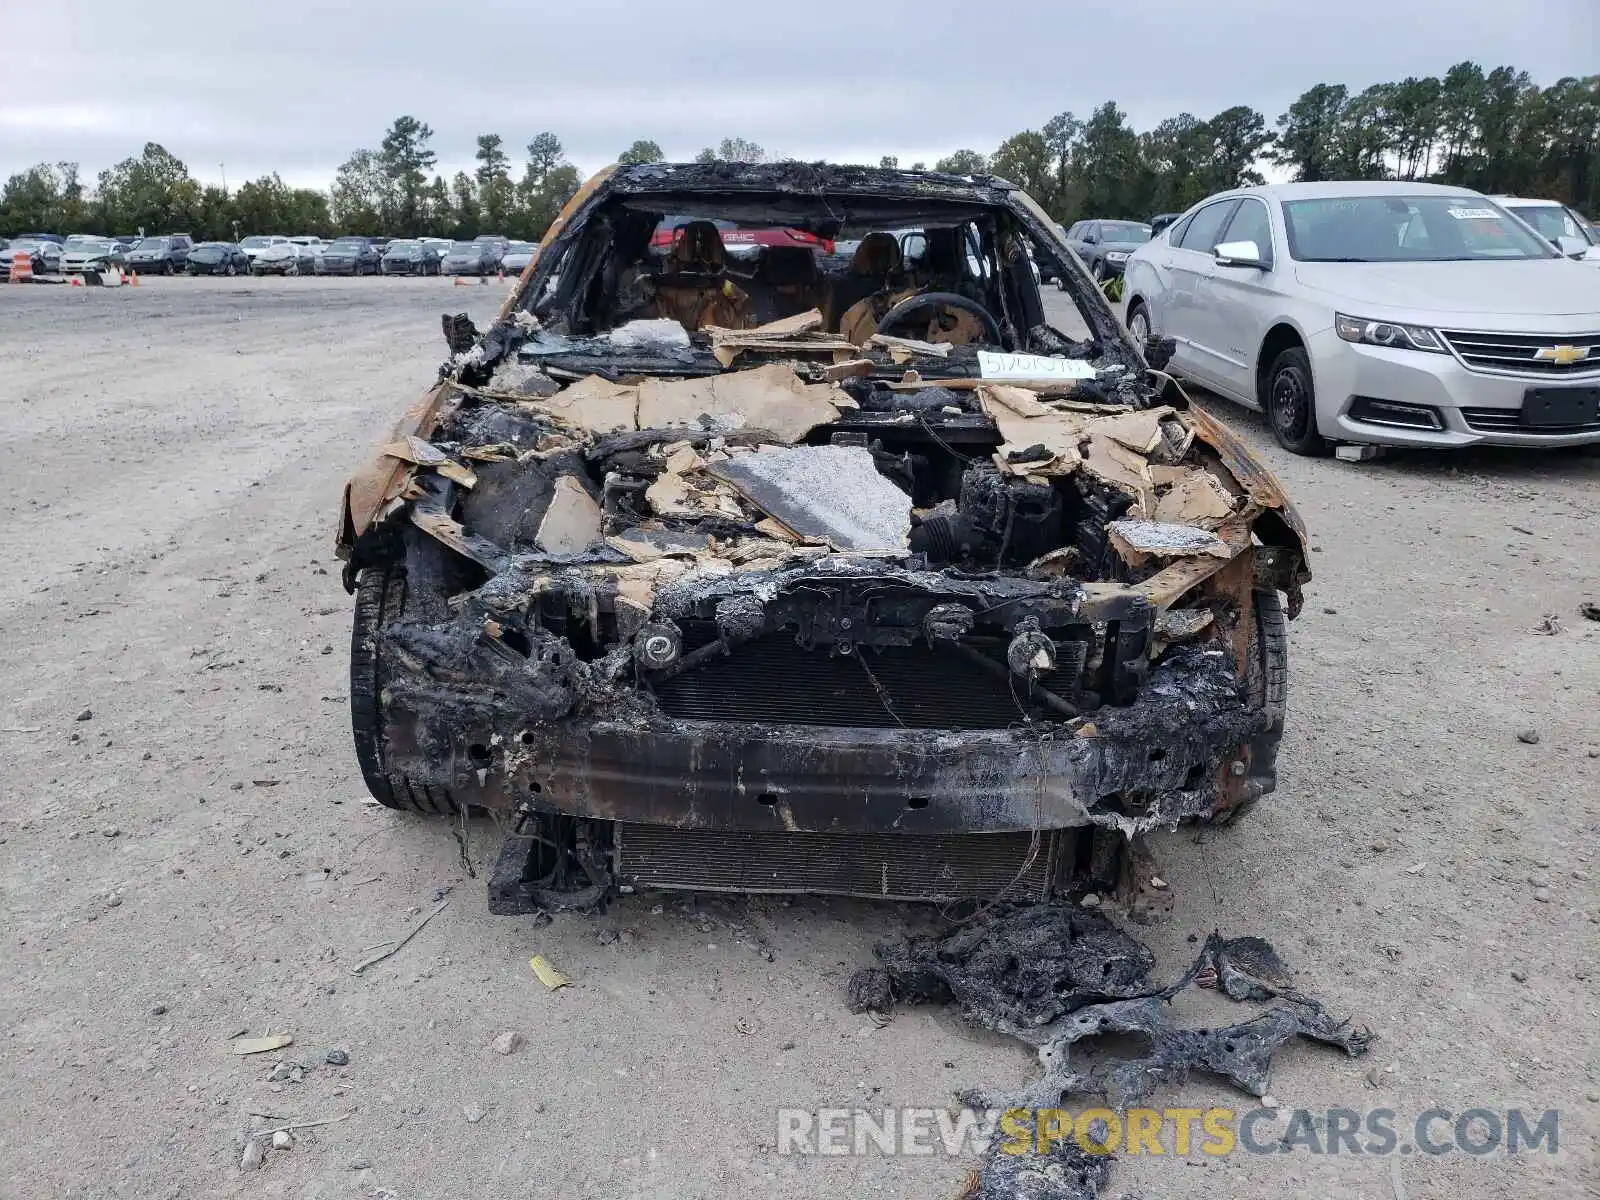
(877,866)
(774,680)
(1541,354)
(1509,420)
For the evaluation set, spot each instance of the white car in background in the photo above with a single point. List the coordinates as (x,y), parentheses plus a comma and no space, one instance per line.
(282,258)
(1391,313)
(1553,220)
(517,256)
(256,243)
(86,252)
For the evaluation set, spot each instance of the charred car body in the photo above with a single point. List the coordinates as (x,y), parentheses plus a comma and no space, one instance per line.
(740,576)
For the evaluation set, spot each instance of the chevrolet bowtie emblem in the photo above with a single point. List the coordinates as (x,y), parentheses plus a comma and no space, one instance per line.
(1562,356)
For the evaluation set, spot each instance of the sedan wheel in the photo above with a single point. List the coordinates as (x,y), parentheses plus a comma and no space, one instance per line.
(1139,326)
(167,268)
(1291,404)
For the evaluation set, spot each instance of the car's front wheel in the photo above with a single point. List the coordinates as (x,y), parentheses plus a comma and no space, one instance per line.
(1139,324)
(1291,403)
(1268,688)
(381,598)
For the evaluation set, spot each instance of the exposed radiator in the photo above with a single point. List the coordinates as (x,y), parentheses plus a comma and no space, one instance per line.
(877,866)
(774,680)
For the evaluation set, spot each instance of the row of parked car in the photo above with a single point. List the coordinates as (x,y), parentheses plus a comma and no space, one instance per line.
(267,254)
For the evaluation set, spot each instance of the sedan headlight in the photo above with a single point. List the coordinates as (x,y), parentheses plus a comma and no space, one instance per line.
(1116,256)
(1386,333)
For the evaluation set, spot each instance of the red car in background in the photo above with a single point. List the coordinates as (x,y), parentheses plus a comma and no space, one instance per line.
(740,243)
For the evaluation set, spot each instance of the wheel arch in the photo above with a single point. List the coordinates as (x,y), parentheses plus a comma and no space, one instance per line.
(1284,335)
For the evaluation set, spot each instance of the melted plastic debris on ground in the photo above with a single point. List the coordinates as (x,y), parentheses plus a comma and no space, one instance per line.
(1053,975)
(1065,1172)
(1023,969)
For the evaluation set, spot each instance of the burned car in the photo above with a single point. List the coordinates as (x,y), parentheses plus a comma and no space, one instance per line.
(747,575)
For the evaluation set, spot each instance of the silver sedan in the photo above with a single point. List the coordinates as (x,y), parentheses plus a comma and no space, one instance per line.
(1392,313)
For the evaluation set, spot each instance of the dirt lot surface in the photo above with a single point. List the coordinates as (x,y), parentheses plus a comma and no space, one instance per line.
(184,851)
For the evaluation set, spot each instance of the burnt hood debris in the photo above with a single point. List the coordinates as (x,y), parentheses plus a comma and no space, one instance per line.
(1052,976)
(622,568)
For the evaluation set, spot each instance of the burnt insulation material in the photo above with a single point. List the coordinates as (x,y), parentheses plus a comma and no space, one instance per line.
(1053,975)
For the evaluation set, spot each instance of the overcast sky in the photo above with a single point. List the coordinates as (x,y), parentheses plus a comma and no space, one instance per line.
(293,86)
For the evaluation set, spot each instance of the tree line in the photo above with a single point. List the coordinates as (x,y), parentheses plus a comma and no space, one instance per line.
(1494,130)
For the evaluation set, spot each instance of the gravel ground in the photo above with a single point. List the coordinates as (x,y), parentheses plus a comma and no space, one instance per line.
(184,850)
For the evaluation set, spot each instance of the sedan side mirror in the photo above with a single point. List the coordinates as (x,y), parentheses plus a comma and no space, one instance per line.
(1240,254)
(1572,247)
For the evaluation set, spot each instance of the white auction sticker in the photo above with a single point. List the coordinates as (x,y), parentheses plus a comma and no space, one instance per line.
(1473,214)
(993,365)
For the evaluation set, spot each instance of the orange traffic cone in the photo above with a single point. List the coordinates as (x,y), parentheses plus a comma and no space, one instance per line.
(460,281)
(21,267)
(502,275)
(133,277)
(75,281)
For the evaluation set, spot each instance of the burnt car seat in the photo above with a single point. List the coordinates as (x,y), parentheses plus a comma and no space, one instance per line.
(875,260)
(785,284)
(874,285)
(697,250)
(693,289)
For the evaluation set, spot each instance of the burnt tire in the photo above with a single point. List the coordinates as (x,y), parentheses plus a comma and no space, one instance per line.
(1268,687)
(1291,403)
(380,598)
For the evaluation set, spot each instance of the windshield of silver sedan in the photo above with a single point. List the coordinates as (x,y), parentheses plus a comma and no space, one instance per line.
(1405,229)
(1553,221)
(1124,231)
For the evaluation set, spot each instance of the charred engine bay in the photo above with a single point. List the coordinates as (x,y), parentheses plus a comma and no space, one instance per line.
(629,578)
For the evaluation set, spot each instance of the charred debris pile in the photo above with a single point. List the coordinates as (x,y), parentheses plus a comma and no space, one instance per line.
(1054,976)
(648,500)
(617,532)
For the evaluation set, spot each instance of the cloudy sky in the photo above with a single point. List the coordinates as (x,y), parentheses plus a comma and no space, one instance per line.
(293,86)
